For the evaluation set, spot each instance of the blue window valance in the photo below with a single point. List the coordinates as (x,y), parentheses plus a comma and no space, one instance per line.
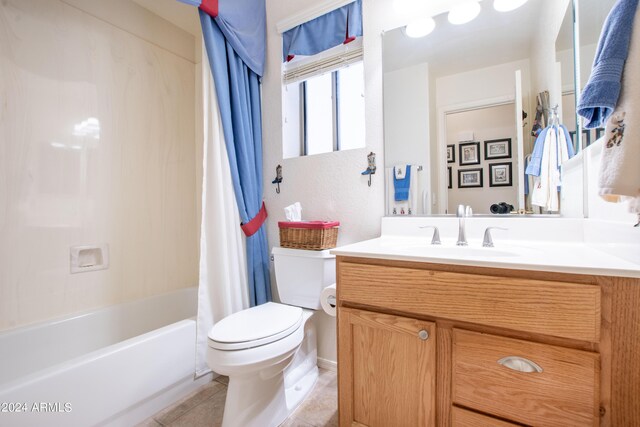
(243,23)
(337,27)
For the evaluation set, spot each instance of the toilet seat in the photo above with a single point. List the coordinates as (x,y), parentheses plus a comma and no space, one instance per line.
(255,326)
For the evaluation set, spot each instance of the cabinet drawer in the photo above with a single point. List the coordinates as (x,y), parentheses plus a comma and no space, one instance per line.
(463,418)
(560,309)
(563,392)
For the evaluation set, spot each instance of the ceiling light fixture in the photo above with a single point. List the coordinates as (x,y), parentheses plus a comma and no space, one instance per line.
(420,27)
(507,5)
(464,12)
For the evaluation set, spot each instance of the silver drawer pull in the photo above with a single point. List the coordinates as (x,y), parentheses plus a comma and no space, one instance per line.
(423,335)
(520,364)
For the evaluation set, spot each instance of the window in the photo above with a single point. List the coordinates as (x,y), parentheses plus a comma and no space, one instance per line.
(324,104)
(318,110)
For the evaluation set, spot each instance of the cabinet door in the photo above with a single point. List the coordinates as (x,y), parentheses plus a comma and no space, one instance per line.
(386,370)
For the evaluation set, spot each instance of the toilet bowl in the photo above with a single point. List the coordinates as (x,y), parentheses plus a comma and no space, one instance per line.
(269,352)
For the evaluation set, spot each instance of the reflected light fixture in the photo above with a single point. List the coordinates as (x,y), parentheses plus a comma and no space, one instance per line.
(89,127)
(507,5)
(410,7)
(420,27)
(464,12)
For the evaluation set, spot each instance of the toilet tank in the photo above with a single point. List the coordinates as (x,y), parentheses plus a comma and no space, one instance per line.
(301,275)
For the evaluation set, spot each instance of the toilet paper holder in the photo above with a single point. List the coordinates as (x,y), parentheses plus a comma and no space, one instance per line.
(328,300)
(331,300)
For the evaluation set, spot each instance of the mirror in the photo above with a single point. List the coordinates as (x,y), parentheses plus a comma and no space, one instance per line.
(460,105)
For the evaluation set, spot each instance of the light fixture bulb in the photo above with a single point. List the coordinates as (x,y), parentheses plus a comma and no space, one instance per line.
(420,27)
(464,12)
(507,5)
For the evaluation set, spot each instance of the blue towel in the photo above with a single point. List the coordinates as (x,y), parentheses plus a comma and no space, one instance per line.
(600,96)
(535,164)
(401,186)
(567,138)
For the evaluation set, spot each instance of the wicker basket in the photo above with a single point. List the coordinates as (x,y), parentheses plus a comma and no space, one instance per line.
(310,235)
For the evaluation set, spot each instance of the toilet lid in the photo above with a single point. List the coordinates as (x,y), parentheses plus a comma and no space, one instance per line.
(255,326)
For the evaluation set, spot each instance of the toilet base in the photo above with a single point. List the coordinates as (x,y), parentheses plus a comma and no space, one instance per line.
(268,397)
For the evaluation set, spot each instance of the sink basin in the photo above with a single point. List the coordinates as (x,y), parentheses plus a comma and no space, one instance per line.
(446,250)
(457,251)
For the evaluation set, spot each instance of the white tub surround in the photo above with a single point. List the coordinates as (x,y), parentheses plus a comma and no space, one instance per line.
(544,244)
(107,156)
(112,367)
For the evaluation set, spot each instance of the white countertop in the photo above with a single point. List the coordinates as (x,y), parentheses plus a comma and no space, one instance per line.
(561,257)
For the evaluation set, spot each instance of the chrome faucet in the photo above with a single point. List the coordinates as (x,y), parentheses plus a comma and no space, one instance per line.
(436,234)
(462,212)
(487,242)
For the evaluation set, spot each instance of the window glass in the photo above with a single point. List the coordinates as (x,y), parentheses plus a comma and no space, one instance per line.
(318,120)
(351,107)
(292,132)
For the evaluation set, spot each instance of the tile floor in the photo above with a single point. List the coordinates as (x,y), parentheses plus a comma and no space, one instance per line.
(205,406)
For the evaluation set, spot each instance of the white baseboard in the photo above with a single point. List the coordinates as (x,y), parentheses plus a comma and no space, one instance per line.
(327,364)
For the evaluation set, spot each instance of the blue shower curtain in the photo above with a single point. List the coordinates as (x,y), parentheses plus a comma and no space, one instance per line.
(238,92)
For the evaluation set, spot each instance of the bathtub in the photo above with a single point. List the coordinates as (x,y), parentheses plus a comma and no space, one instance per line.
(111,367)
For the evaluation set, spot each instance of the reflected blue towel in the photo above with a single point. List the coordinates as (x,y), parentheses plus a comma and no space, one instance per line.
(600,96)
(535,164)
(401,186)
(526,178)
(567,137)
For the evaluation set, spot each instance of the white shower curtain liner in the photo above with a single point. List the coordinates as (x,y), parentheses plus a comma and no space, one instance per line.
(222,288)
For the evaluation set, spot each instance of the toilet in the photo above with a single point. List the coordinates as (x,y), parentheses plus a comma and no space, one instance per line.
(269,352)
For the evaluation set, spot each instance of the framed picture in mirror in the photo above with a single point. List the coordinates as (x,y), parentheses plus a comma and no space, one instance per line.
(500,175)
(495,149)
(450,177)
(469,153)
(451,153)
(470,178)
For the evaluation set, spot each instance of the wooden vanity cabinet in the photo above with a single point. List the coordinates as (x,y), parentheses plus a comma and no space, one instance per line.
(423,344)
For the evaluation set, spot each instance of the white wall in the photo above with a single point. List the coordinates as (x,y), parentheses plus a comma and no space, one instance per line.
(486,124)
(482,84)
(543,48)
(134,188)
(406,113)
